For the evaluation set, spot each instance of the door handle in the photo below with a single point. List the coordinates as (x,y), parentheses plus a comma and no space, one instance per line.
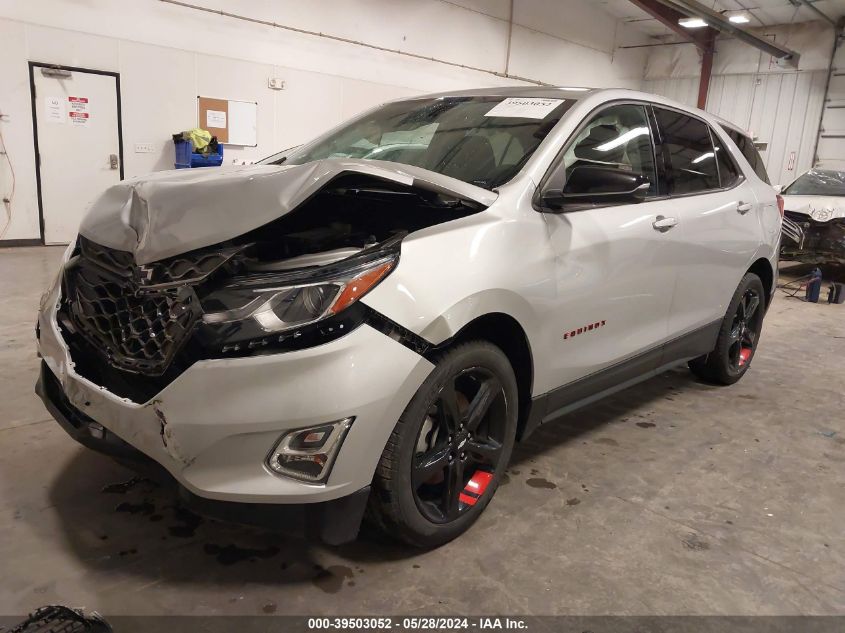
(743,207)
(663,224)
(113,161)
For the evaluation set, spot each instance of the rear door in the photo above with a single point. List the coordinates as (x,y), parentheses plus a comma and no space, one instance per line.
(718,227)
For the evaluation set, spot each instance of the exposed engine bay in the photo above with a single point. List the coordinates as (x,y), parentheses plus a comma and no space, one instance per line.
(353,214)
(289,284)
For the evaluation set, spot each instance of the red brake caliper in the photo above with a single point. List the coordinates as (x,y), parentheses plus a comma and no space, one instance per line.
(744,355)
(475,487)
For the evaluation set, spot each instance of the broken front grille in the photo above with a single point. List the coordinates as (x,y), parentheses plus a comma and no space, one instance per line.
(191,268)
(136,328)
(187,268)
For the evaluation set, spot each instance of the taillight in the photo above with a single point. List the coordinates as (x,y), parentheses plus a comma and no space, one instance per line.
(781,205)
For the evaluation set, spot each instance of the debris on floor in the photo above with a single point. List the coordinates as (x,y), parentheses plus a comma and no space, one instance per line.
(61,619)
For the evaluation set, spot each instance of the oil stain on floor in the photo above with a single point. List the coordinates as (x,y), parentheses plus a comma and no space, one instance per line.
(232,554)
(539,482)
(330,579)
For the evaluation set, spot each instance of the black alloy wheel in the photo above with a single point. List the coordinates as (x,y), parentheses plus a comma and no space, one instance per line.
(739,335)
(459,445)
(745,330)
(449,449)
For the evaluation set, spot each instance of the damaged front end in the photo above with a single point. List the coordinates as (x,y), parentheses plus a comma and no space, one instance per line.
(812,241)
(294,282)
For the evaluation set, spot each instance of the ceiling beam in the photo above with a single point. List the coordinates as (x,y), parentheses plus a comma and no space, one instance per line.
(706,69)
(693,8)
(818,11)
(669,16)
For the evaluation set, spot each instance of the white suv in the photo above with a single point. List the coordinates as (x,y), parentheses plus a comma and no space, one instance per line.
(370,321)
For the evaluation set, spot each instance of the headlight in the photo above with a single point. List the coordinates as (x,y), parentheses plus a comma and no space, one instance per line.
(276,307)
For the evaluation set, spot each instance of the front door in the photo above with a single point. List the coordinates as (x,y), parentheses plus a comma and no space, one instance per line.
(615,274)
(78,148)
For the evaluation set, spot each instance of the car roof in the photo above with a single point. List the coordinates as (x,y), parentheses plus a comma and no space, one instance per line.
(581,94)
(733,126)
(569,92)
(542,92)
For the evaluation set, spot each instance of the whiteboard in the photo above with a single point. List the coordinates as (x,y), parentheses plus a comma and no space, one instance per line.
(232,122)
(243,123)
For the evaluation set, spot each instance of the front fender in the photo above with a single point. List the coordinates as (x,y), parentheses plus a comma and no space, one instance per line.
(491,301)
(453,273)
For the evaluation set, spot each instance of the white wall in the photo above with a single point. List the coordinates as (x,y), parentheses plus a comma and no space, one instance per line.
(167,55)
(778,105)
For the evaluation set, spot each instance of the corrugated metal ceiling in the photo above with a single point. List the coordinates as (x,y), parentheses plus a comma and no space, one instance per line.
(761,12)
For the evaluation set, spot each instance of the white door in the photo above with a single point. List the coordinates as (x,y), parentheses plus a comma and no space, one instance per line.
(718,220)
(77,144)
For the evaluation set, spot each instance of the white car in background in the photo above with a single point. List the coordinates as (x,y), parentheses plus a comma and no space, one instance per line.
(814,217)
(326,333)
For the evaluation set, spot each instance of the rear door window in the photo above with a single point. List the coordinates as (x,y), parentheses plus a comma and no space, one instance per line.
(688,153)
(748,149)
(729,172)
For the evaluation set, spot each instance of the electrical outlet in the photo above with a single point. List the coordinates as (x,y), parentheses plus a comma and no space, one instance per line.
(144,148)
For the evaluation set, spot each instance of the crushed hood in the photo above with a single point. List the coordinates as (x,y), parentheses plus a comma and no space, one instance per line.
(820,208)
(172,212)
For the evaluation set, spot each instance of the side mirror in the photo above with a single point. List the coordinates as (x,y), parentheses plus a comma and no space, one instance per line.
(593,185)
(779,188)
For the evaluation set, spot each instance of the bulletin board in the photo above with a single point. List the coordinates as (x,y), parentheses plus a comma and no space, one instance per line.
(232,122)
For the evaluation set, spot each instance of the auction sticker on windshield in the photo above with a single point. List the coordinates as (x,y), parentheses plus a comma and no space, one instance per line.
(525,107)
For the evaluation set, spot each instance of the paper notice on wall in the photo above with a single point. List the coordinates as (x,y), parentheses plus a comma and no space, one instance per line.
(525,108)
(215,119)
(54,110)
(78,110)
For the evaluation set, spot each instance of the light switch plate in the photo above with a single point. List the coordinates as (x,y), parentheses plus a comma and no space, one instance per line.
(144,148)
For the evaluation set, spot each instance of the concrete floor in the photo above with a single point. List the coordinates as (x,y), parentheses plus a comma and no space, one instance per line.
(671,498)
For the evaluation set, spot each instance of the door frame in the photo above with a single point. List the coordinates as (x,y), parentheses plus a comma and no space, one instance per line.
(92,71)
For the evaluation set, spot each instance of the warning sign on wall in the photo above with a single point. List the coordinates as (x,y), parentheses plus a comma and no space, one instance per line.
(78,110)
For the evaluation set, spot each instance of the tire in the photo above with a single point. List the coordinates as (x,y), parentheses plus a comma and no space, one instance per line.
(738,336)
(443,462)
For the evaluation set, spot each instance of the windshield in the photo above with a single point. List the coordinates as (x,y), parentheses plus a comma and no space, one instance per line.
(484,141)
(818,182)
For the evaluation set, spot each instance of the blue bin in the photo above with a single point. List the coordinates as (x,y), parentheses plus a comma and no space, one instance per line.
(186,158)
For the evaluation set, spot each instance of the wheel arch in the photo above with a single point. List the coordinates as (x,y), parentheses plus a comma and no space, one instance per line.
(763,269)
(506,333)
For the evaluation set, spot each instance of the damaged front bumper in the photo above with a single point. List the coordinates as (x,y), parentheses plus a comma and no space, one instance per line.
(214,426)
(812,242)
(333,522)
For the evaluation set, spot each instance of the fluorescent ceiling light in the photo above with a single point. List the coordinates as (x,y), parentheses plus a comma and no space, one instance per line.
(703,157)
(692,23)
(739,19)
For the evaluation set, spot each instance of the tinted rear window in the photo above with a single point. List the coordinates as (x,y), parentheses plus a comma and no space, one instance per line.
(729,173)
(689,151)
(746,146)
